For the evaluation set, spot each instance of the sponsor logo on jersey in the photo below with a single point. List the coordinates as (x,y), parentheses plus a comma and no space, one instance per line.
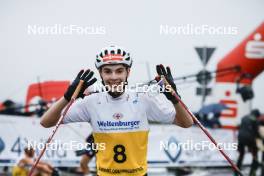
(118,124)
(135,101)
(130,124)
(118,116)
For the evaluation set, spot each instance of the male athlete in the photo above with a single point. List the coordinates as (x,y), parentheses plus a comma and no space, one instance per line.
(119,117)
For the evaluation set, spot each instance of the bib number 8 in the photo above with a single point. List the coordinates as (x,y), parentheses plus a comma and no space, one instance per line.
(120,155)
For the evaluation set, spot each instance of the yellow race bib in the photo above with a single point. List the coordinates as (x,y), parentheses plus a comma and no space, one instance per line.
(124,153)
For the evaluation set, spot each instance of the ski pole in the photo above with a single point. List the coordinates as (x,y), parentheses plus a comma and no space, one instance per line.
(75,94)
(234,167)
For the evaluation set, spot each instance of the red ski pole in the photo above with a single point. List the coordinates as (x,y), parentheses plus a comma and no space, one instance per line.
(233,165)
(75,94)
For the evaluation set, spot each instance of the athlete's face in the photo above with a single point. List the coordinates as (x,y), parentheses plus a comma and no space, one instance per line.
(114,76)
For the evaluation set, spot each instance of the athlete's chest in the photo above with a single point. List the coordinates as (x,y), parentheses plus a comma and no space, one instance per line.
(119,116)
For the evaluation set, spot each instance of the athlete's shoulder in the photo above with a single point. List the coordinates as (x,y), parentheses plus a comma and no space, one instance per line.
(94,97)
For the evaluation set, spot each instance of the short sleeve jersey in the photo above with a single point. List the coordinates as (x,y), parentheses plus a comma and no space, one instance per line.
(122,125)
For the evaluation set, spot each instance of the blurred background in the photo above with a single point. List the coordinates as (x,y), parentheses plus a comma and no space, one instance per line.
(214,48)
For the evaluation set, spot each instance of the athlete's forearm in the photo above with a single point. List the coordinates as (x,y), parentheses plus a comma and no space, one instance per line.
(44,168)
(51,117)
(47,164)
(182,118)
(84,164)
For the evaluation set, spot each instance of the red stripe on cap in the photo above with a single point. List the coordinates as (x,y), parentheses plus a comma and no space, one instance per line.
(113,57)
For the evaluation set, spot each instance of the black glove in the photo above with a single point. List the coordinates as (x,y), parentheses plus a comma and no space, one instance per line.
(86,77)
(167,74)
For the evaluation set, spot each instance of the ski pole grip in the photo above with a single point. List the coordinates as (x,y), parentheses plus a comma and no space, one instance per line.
(77,90)
(166,83)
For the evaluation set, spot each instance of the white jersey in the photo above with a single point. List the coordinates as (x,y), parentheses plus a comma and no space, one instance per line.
(122,125)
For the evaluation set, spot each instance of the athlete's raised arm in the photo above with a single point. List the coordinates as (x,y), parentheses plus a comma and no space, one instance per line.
(51,117)
(182,118)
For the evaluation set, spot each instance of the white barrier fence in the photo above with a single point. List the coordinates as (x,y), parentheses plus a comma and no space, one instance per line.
(169,146)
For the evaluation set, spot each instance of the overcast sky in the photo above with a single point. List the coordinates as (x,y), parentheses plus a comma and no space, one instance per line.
(133,24)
